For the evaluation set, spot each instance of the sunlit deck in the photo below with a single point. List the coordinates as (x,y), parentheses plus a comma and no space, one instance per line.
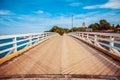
(62,55)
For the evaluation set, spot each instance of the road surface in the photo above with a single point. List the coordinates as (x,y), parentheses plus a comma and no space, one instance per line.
(62,55)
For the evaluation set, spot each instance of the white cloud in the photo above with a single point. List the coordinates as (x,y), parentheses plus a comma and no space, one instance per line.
(39,12)
(95,17)
(36,23)
(75,4)
(91,7)
(5,12)
(113,4)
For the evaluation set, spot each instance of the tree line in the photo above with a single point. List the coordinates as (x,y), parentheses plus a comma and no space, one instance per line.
(103,25)
(61,31)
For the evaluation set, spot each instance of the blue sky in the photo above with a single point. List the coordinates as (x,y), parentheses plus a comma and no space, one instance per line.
(30,16)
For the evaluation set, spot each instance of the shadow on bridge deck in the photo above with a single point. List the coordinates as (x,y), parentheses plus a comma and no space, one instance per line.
(62,55)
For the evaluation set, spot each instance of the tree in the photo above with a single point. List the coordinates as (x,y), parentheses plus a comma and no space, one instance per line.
(54,29)
(98,25)
(94,26)
(59,30)
(74,29)
(104,25)
(82,28)
(66,30)
(117,26)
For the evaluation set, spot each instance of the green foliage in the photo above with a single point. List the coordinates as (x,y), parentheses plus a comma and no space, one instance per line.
(104,25)
(117,28)
(76,29)
(94,26)
(101,26)
(82,29)
(66,30)
(59,30)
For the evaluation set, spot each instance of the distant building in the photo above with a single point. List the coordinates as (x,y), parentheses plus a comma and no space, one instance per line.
(89,29)
(83,25)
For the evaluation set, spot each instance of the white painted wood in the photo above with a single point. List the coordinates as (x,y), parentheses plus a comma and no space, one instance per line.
(30,36)
(95,38)
(9,49)
(111,42)
(22,40)
(22,44)
(5,44)
(15,44)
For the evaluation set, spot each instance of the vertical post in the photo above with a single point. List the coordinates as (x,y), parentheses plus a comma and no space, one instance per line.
(111,42)
(15,44)
(82,35)
(95,39)
(30,39)
(78,34)
(87,36)
(47,34)
(44,35)
(38,37)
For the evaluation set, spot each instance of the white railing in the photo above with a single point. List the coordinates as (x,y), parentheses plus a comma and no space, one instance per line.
(14,43)
(109,41)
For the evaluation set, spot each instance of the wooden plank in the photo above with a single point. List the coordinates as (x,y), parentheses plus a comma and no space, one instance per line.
(62,55)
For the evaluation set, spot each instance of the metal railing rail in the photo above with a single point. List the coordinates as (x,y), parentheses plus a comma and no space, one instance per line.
(12,43)
(104,40)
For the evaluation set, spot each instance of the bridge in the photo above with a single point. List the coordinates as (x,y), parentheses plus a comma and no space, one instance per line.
(49,55)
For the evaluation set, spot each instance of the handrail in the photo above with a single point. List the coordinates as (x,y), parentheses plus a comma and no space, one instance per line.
(14,42)
(100,39)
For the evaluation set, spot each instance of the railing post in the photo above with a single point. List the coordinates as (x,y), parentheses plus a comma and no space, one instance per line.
(15,44)
(47,34)
(38,37)
(111,42)
(82,35)
(87,36)
(95,39)
(77,34)
(44,35)
(30,39)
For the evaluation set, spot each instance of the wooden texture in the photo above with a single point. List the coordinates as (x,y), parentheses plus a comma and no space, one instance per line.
(62,55)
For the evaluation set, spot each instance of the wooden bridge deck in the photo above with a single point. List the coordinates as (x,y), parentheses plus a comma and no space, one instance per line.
(62,55)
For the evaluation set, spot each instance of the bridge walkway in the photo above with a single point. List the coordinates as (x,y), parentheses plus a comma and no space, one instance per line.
(62,55)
